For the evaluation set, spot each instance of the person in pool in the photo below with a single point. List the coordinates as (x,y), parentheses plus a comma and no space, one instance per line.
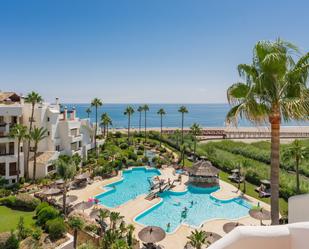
(192,203)
(168,227)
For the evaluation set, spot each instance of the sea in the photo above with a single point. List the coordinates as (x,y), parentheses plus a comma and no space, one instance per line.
(206,115)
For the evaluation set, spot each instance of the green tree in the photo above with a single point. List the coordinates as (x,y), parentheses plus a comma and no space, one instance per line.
(129,112)
(177,134)
(114,218)
(103,214)
(33,98)
(76,224)
(96,103)
(88,111)
(161,112)
(298,152)
(140,110)
(274,89)
(66,170)
(106,121)
(195,130)
(12,242)
(21,229)
(183,110)
(36,135)
(145,109)
(19,132)
(197,239)
(130,229)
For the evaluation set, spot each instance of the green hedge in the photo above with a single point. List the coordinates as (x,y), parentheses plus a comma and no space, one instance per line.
(20,201)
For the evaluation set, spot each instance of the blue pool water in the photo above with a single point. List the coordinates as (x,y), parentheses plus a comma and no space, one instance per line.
(205,207)
(134,183)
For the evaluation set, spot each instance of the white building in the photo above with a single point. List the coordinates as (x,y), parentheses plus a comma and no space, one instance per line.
(10,114)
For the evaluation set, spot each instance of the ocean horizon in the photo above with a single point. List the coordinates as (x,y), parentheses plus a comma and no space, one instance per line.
(206,115)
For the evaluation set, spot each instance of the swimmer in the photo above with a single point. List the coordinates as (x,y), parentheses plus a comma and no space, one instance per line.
(168,226)
(192,203)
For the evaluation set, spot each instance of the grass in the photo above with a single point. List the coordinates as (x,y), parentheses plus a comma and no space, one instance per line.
(9,218)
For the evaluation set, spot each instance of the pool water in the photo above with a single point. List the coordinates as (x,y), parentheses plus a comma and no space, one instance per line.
(203,207)
(135,182)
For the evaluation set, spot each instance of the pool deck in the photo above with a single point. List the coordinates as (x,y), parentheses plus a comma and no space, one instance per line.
(177,239)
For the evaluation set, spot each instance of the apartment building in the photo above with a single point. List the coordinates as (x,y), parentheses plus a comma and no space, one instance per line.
(10,114)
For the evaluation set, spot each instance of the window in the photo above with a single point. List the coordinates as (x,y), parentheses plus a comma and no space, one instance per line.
(11,148)
(2,149)
(57,147)
(14,120)
(48,133)
(13,169)
(48,119)
(2,169)
(51,168)
(74,132)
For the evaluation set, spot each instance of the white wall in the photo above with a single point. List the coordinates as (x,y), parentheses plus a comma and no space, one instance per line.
(299,209)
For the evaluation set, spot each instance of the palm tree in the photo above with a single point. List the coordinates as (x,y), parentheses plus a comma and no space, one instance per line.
(140,110)
(114,218)
(183,149)
(274,89)
(66,170)
(19,132)
(298,152)
(182,110)
(105,121)
(129,111)
(130,229)
(161,112)
(88,111)
(76,224)
(197,239)
(196,131)
(177,134)
(145,109)
(36,135)
(33,98)
(96,103)
(103,214)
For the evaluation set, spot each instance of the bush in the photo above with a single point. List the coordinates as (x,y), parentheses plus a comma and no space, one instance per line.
(56,228)
(118,134)
(26,201)
(132,155)
(145,159)
(4,192)
(36,233)
(12,242)
(123,146)
(141,147)
(140,152)
(46,214)
(41,206)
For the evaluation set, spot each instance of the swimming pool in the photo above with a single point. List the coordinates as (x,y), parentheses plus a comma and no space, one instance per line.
(134,182)
(200,205)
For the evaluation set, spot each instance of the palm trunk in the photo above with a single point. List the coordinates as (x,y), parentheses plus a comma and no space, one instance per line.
(18,160)
(182,128)
(129,128)
(106,130)
(28,151)
(145,127)
(75,239)
(64,199)
(34,162)
(96,128)
(275,163)
(297,176)
(161,132)
(140,122)
(194,148)
(245,186)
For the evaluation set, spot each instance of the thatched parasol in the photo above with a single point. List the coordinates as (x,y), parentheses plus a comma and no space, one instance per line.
(204,169)
(59,182)
(82,176)
(83,205)
(69,199)
(228,227)
(151,234)
(260,214)
(51,191)
(212,237)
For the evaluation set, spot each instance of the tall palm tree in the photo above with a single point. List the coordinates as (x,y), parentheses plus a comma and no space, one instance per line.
(96,103)
(19,132)
(36,135)
(76,224)
(103,214)
(274,89)
(177,134)
(33,98)
(161,112)
(114,218)
(130,229)
(129,112)
(298,152)
(140,110)
(197,239)
(196,130)
(145,109)
(66,170)
(88,111)
(106,121)
(182,110)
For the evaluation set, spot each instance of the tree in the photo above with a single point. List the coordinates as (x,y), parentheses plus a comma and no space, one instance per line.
(177,134)
(19,132)
(22,232)
(103,214)
(140,110)
(76,224)
(182,110)
(161,112)
(183,149)
(145,109)
(195,131)
(298,152)
(114,218)
(88,111)
(96,103)
(36,135)
(274,89)
(106,121)
(130,229)
(128,112)
(33,98)
(197,239)
(66,170)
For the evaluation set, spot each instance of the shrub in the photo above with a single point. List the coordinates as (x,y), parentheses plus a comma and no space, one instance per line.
(123,146)
(141,147)
(118,134)
(140,152)
(132,155)
(26,201)
(145,159)
(12,242)
(46,214)
(4,192)
(41,206)
(55,228)
(36,233)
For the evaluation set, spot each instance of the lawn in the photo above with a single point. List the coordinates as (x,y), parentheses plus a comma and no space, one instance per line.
(9,218)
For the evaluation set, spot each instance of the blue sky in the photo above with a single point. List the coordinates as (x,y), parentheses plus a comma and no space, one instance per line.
(155,51)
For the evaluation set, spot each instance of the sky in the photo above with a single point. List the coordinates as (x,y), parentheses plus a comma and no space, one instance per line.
(138,51)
